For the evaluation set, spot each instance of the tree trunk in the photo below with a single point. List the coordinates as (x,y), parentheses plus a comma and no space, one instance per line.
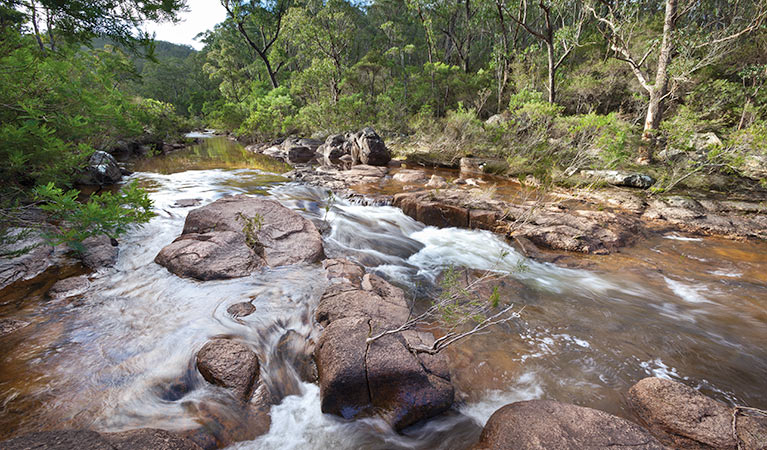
(272,73)
(34,25)
(659,90)
(552,70)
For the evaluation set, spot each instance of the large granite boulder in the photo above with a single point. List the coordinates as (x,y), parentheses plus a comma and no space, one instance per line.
(544,424)
(335,147)
(370,149)
(682,417)
(229,364)
(386,377)
(236,235)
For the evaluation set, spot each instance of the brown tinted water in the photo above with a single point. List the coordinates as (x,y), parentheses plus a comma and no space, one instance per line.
(691,310)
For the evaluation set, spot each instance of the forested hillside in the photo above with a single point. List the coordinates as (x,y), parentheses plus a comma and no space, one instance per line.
(577,82)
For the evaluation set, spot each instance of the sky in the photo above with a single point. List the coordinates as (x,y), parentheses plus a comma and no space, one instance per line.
(202,15)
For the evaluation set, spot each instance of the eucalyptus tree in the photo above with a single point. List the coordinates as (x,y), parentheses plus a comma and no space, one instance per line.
(695,34)
(260,24)
(558,24)
(324,33)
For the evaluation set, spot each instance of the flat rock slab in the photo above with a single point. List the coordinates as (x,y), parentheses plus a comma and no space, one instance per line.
(236,235)
(229,364)
(682,417)
(69,287)
(544,424)
(141,439)
(35,261)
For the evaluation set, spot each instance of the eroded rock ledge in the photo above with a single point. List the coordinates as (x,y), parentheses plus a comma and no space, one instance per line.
(597,222)
(384,378)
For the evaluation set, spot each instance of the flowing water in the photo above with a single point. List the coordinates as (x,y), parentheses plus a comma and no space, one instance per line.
(674,306)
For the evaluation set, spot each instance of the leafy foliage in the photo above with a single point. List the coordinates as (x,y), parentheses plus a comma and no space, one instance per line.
(106,214)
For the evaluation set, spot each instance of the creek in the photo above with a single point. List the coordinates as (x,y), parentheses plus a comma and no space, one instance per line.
(674,306)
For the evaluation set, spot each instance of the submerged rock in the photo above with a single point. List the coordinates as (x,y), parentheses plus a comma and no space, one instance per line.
(384,378)
(682,417)
(241,309)
(544,424)
(229,364)
(69,287)
(186,203)
(236,235)
(100,251)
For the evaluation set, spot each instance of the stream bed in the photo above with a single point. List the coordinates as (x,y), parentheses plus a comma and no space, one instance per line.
(685,308)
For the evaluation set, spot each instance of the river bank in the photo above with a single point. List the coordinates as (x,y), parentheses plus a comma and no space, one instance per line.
(676,307)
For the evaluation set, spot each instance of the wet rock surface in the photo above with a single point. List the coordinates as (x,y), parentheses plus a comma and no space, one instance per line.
(186,203)
(384,378)
(140,439)
(552,226)
(100,252)
(102,170)
(544,424)
(682,417)
(69,287)
(8,326)
(586,221)
(241,309)
(230,364)
(35,261)
(236,235)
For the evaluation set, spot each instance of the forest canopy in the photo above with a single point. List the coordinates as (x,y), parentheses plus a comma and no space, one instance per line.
(560,83)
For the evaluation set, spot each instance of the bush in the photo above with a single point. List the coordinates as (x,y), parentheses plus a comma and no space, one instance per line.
(611,136)
(271,115)
(104,214)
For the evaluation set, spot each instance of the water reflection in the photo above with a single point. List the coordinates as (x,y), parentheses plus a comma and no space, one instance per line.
(210,153)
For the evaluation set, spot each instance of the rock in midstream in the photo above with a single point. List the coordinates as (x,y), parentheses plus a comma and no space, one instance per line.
(385,378)
(681,417)
(230,364)
(545,424)
(236,235)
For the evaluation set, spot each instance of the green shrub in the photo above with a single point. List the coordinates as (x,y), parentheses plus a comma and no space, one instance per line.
(106,214)
(613,137)
(271,115)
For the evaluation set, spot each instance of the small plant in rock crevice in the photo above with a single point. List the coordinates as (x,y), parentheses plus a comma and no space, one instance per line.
(251,227)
